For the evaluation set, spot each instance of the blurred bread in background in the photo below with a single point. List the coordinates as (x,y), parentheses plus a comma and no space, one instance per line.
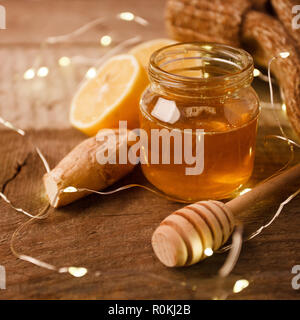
(264,28)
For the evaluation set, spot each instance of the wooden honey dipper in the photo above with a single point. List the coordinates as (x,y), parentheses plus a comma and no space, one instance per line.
(184,236)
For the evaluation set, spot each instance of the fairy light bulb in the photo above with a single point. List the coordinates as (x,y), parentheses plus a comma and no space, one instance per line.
(64,61)
(207,47)
(29,74)
(208,252)
(256,73)
(127,16)
(245,191)
(240,285)
(42,72)
(284,55)
(77,272)
(70,190)
(91,73)
(105,41)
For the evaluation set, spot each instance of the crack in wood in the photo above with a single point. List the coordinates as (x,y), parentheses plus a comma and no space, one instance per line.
(120,215)
(18,169)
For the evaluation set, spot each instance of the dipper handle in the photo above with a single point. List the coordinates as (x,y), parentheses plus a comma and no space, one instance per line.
(264,190)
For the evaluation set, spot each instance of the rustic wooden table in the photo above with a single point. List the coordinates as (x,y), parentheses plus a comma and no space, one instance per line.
(113,233)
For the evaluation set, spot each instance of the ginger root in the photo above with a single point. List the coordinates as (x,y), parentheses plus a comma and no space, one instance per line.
(81,169)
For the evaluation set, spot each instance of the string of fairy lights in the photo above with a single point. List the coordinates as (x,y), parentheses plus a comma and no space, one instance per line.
(65,61)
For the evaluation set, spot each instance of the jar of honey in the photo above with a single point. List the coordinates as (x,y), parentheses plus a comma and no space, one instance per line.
(202,90)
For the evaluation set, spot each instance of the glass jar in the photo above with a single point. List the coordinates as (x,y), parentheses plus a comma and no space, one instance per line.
(204,86)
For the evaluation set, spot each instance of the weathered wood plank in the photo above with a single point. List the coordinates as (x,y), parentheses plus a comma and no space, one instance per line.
(114,232)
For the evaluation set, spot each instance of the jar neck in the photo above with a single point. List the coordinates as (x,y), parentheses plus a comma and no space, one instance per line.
(200,70)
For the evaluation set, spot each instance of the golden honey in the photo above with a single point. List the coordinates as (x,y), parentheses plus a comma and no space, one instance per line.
(208,87)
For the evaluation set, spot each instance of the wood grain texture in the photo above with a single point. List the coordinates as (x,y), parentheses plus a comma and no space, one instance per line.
(112,234)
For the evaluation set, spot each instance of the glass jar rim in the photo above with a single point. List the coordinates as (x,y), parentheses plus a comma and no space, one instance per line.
(234,65)
(206,46)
